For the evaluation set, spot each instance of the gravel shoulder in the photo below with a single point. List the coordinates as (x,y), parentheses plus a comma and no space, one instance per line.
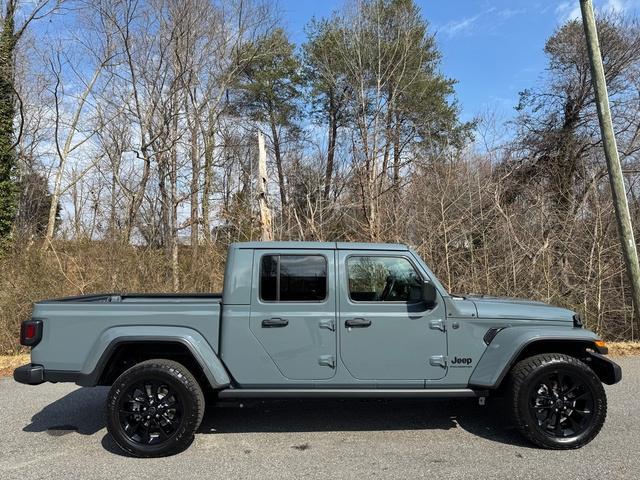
(58,431)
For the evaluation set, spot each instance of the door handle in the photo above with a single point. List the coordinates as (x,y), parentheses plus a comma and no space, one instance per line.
(357,323)
(275,322)
(437,324)
(329,324)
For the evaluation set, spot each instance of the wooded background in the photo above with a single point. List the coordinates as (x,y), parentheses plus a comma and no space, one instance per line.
(128,152)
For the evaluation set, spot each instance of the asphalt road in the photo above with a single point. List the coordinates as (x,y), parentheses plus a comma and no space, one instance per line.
(58,431)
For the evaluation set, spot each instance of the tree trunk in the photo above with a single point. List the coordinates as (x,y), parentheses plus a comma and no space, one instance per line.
(173,178)
(331,148)
(396,158)
(165,202)
(113,230)
(66,149)
(195,190)
(209,145)
(278,158)
(266,228)
(53,208)
(138,197)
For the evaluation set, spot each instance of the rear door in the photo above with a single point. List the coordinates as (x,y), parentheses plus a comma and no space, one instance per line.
(293,311)
(386,331)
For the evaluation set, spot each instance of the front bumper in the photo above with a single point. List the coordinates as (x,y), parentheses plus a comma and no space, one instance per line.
(608,371)
(29,374)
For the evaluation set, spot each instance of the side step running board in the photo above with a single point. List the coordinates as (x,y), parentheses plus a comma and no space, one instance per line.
(350,393)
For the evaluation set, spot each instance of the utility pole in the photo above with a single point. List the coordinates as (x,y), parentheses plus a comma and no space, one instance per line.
(266,228)
(618,190)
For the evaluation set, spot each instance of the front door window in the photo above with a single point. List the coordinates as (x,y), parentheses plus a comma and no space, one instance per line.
(383,279)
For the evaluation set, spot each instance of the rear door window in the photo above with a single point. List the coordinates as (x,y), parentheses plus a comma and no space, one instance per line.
(293,278)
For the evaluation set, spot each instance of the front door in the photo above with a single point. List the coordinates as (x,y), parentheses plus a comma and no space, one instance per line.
(293,312)
(386,331)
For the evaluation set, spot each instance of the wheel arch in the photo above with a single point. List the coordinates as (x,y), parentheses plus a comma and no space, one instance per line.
(511,345)
(114,353)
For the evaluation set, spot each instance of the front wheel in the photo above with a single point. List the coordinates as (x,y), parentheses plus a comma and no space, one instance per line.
(154,409)
(557,401)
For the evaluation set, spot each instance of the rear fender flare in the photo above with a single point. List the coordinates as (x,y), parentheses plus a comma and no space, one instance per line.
(202,352)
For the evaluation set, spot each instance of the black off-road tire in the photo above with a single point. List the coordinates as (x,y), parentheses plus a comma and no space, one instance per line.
(528,388)
(186,410)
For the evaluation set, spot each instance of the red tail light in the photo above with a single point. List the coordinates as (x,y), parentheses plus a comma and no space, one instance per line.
(31,332)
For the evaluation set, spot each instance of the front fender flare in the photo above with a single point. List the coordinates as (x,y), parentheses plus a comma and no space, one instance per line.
(608,371)
(111,338)
(505,347)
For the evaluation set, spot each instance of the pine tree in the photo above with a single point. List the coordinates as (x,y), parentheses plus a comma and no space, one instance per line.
(268,89)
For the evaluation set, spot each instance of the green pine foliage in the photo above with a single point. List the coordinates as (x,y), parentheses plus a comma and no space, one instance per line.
(8,186)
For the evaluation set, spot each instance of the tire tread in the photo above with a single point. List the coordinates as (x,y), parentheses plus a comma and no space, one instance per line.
(186,378)
(518,379)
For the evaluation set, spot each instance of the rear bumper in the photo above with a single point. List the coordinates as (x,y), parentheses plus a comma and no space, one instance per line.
(31,374)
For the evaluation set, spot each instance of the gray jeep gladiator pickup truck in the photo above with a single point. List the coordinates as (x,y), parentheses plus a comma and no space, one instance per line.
(306,319)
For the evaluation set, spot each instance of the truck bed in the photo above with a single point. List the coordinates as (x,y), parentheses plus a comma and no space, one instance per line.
(75,329)
(137,297)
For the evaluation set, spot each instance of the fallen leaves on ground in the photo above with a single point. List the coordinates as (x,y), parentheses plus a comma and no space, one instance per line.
(624,349)
(9,362)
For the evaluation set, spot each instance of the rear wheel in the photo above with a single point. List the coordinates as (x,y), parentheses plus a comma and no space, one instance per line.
(557,401)
(154,408)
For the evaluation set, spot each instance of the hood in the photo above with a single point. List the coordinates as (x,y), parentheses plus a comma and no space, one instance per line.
(516,308)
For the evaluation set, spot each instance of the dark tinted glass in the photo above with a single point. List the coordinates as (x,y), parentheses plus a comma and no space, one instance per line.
(383,279)
(302,278)
(269,278)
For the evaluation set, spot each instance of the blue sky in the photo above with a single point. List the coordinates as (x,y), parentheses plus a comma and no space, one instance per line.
(494,48)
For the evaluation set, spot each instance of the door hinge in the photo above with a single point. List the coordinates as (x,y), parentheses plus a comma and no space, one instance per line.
(327,361)
(437,324)
(438,361)
(328,323)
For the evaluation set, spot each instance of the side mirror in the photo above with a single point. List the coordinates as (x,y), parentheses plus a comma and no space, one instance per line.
(429,294)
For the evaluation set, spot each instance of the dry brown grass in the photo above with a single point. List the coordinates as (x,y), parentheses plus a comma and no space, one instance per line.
(624,349)
(75,268)
(9,362)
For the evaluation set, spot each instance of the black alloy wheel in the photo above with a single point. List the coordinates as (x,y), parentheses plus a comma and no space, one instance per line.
(562,404)
(556,401)
(150,412)
(155,408)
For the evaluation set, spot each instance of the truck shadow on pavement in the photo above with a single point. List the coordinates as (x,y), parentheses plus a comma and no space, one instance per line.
(326,415)
(82,412)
